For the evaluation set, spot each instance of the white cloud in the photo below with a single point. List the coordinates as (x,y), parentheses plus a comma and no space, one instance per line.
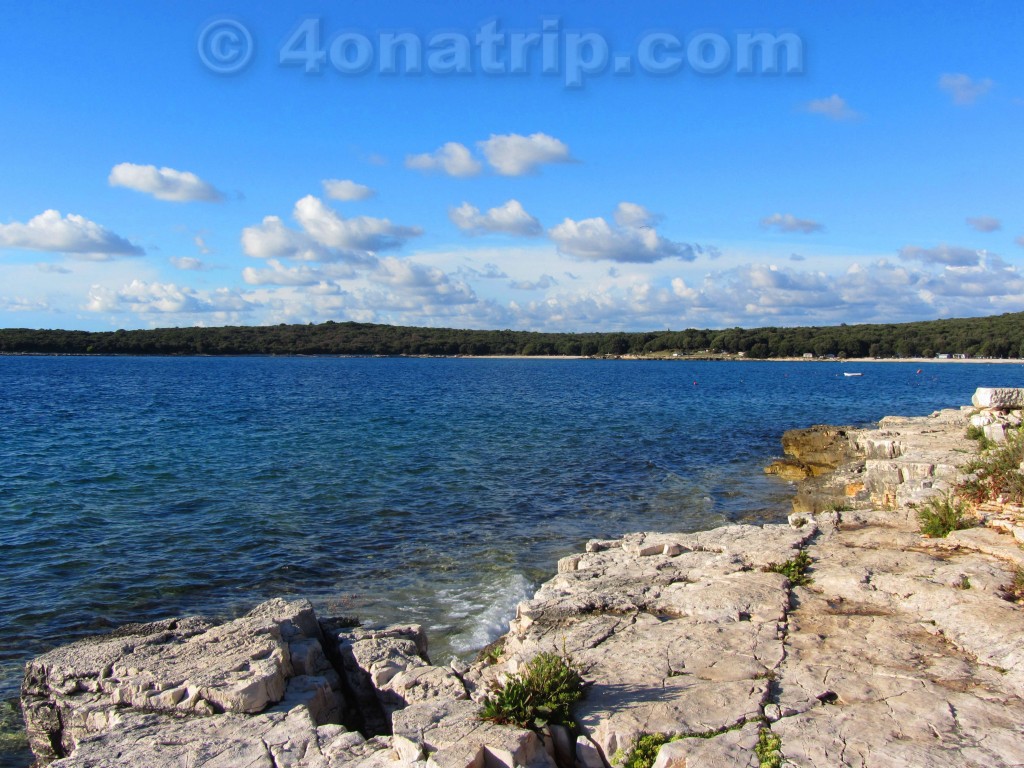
(510,218)
(1020,241)
(453,159)
(163,183)
(325,236)
(963,89)
(200,242)
(953,256)
(303,274)
(346,190)
(273,239)
(634,216)
(53,269)
(23,304)
(71,234)
(187,263)
(360,233)
(143,297)
(595,239)
(516,155)
(787,222)
(834,108)
(984,223)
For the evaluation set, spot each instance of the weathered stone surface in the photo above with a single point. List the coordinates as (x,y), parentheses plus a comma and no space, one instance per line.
(182,666)
(1001,398)
(449,734)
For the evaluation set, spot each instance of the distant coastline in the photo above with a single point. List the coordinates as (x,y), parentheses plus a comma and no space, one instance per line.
(975,338)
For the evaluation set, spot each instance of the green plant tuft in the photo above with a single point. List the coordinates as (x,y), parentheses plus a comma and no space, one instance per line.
(543,692)
(769,749)
(978,434)
(943,515)
(794,569)
(644,751)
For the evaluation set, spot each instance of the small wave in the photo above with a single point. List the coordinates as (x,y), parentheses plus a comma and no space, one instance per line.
(494,606)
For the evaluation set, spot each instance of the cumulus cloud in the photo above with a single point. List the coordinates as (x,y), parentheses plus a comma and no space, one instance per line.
(360,233)
(424,281)
(272,238)
(953,256)
(144,297)
(187,263)
(509,218)
(1020,241)
(346,190)
(984,223)
(629,240)
(516,155)
(634,216)
(71,234)
(963,89)
(163,183)
(787,222)
(325,236)
(834,108)
(452,158)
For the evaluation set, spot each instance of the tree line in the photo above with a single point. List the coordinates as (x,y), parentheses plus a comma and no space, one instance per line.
(1000,336)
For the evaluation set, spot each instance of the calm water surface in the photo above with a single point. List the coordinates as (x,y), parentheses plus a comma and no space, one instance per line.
(438,491)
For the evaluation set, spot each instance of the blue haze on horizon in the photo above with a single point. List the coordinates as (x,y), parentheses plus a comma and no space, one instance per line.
(876,177)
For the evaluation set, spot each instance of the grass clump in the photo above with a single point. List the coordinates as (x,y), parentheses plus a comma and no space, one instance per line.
(794,569)
(943,515)
(644,751)
(542,693)
(769,749)
(978,434)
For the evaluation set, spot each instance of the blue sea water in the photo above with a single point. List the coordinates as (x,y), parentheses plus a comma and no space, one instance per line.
(440,491)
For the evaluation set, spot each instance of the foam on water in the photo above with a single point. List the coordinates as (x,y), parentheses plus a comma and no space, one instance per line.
(489,607)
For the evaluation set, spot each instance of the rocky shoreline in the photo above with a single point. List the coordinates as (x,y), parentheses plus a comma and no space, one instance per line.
(893,650)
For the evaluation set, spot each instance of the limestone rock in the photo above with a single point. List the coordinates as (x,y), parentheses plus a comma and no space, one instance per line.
(1000,398)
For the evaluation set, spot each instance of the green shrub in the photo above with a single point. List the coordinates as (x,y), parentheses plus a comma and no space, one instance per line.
(769,749)
(543,692)
(996,473)
(943,515)
(794,569)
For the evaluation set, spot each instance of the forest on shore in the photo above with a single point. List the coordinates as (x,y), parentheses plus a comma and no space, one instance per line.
(1000,336)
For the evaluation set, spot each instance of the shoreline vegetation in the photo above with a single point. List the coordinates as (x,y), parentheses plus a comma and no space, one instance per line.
(999,337)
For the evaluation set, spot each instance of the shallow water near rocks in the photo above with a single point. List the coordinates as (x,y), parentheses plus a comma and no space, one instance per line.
(439,491)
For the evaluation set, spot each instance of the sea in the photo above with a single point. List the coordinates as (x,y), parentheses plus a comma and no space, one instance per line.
(437,491)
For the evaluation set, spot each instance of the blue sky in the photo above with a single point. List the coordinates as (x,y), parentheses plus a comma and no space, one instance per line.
(875,176)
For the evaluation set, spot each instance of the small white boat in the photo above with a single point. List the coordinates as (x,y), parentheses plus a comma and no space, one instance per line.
(846,373)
